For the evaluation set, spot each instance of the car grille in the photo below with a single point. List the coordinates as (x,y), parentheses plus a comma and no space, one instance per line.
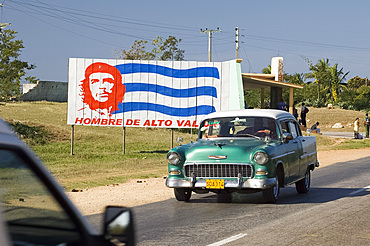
(217,170)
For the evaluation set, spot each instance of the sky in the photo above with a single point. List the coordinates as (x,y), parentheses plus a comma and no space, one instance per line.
(53,31)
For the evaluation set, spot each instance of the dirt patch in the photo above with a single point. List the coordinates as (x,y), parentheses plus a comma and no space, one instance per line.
(139,192)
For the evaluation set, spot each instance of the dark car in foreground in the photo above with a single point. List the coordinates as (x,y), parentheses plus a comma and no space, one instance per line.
(244,151)
(35,209)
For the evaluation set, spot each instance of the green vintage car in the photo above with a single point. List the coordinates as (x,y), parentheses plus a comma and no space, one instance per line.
(243,151)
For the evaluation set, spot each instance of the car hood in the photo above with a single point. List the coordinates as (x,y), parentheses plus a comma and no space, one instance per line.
(226,150)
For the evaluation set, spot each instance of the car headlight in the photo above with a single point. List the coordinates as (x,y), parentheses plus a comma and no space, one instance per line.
(260,158)
(173,158)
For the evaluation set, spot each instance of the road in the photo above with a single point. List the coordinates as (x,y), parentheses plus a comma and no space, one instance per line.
(336,211)
(339,134)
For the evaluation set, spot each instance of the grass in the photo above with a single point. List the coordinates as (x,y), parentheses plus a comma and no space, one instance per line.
(98,158)
(328,117)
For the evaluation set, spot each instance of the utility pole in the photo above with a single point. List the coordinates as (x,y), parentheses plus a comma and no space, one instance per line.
(210,40)
(237,41)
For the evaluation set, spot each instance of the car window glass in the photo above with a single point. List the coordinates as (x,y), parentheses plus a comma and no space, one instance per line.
(285,127)
(31,212)
(238,127)
(293,129)
(298,129)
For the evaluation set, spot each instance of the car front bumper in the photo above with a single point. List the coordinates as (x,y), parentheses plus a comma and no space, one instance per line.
(229,184)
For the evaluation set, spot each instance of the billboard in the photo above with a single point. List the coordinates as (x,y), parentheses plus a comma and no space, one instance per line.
(170,94)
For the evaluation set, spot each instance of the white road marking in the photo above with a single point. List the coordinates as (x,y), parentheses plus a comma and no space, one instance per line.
(358,191)
(228,240)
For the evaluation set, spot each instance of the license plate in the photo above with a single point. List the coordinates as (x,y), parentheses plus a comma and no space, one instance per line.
(215,184)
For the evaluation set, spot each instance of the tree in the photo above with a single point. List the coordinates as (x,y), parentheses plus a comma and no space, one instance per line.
(362,99)
(356,95)
(329,81)
(167,49)
(356,82)
(298,79)
(162,50)
(137,52)
(266,70)
(12,69)
(337,78)
(320,72)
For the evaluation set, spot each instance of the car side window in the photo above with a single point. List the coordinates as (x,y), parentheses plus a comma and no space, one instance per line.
(298,129)
(285,127)
(293,129)
(31,212)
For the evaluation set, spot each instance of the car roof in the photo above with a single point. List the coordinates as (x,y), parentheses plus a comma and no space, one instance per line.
(272,113)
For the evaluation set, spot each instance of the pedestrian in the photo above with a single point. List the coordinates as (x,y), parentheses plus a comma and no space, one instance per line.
(356,126)
(282,105)
(367,125)
(304,111)
(315,127)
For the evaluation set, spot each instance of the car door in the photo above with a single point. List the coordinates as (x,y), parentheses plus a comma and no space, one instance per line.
(292,148)
(302,142)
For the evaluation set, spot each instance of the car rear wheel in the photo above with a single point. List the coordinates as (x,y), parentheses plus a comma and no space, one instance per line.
(271,194)
(182,194)
(303,185)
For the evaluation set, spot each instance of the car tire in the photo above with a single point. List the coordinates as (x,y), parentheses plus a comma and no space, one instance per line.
(271,194)
(303,185)
(182,194)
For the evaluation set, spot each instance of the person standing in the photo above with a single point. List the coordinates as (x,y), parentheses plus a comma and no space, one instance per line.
(356,126)
(367,125)
(304,111)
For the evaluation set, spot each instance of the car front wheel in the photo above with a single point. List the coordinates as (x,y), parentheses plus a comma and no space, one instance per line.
(271,194)
(182,194)
(303,185)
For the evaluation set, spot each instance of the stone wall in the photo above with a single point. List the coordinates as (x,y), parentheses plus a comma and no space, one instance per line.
(47,91)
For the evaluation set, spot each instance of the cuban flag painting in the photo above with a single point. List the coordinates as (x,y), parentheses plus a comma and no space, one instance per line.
(170,94)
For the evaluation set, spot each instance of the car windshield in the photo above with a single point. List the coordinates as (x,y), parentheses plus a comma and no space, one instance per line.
(257,127)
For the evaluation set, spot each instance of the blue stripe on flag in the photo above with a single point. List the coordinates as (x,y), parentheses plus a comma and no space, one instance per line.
(168,91)
(196,72)
(180,112)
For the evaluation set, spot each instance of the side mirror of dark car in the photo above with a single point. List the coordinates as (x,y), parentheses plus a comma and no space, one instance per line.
(287,137)
(119,226)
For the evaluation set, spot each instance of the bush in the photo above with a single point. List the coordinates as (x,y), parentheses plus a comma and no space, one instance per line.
(32,135)
(316,103)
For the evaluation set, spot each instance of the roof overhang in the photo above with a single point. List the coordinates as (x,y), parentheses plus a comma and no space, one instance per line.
(265,81)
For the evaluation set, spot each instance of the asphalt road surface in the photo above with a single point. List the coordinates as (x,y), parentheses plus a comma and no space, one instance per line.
(336,211)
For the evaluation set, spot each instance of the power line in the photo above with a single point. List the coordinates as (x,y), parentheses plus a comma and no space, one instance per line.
(98,16)
(305,43)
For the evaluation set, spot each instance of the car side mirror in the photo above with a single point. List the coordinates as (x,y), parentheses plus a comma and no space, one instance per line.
(287,137)
(119,226)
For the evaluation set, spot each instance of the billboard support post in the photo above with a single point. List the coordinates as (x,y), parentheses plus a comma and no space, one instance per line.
(72,138)
(124,141)
(171,138)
